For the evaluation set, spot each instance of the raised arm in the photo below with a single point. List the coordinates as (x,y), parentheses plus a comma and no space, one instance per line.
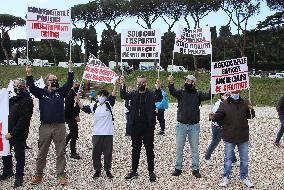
(36,91)
(175,93)
(123,94)
(204,95)
(86,109)
(68,85)
(158,91)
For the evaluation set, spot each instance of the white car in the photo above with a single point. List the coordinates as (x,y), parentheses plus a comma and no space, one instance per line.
(276,75)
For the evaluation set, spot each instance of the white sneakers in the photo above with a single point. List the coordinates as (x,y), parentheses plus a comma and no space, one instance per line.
(225,182)
(209,162)
(248,183)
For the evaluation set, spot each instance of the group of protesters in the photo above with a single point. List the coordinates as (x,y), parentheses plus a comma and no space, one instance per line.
(58,105)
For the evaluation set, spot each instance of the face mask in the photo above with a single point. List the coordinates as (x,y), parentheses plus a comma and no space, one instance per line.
(76,89)
(235,96)
(141,87)
(188,86)
(101,99)
(54,84)
(19,90)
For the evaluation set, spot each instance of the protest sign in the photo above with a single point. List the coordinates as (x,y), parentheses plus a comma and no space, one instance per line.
(99,73)
(49,24)
(229,75)
(193,41)
(140,44)
(4,112)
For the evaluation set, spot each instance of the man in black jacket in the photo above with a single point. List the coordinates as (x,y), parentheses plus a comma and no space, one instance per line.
(142,120)
(52,118)
(188,117)
(20,113)
(72,118)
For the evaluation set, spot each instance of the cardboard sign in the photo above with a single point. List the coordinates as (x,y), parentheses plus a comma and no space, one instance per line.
(229,75)
(4,112)
(49,24)
(99,74)
(140,44)
(193,41)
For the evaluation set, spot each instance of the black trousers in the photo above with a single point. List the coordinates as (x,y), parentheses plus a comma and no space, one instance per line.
(19,149)
(161,119)
(128,126)
(145,136)
(102,144)
(73,135)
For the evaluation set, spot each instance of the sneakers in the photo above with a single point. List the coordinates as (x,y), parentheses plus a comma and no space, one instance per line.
(108,174)
(62,180)
(6,176)
(176,172)
(152,177)
(209,162)
(161,133)
(97,174)
(18,183)
(196,173)
(36,180)
(75,156)
(248,183)
(225,182)
(131,175)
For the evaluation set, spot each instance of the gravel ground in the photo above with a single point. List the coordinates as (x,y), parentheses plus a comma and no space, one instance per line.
(266,162)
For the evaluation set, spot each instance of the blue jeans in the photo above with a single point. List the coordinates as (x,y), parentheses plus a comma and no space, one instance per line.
(192,133)
(243,153)
(217,134)
(281,130)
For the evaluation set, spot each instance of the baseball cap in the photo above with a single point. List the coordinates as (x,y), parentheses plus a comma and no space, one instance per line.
(190,77)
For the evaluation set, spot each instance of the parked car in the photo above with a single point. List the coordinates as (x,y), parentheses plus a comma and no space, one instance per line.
(276,75)
(176,68)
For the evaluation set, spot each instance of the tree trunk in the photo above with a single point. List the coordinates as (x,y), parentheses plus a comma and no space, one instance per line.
(85,47)
(52,51)
(4,49)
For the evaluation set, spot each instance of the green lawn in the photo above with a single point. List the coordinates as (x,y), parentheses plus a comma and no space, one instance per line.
(264,91)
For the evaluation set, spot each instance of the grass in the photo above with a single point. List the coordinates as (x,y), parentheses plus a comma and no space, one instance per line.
(264,91)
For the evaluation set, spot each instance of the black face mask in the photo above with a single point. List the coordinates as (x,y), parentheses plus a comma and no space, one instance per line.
(188,86)
(76,89)
(54,84)
(19,91)
(141,87)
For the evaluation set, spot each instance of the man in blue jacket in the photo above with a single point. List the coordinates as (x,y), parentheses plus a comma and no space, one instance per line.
(52,118)
(160,109)
(188,117)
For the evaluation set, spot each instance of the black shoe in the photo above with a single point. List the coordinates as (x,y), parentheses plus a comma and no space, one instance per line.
(131,175)
(75,156)
(152,176)
(196,173)
(108,174)
(177,172)
(97,174)
(6,176)
(161,133)
(18,183)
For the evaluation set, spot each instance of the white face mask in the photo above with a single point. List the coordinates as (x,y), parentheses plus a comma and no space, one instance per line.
(101,99)
(235,96)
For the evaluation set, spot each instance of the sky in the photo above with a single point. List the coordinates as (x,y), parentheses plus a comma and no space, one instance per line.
(19,8)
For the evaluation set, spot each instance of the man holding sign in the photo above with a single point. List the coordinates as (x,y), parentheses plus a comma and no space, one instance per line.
(52,128)
(188,117)
(142,120)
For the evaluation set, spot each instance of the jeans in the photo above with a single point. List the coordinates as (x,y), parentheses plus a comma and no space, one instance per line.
(73,135)
(192,133)
(243,153)
(281,130)
(161,118)
(19,149)
(217,134)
